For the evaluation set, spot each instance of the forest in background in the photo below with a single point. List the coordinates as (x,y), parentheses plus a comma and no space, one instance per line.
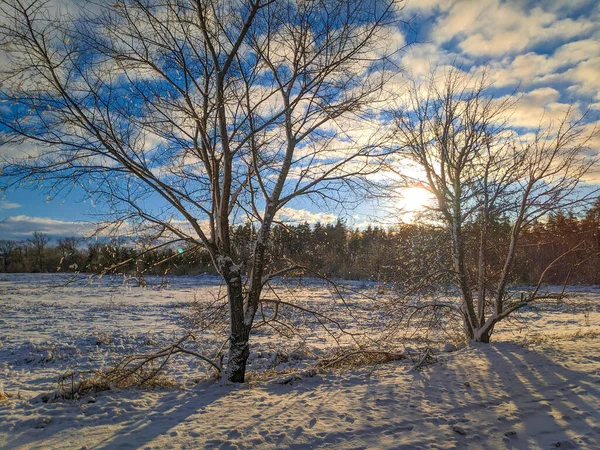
(398,254)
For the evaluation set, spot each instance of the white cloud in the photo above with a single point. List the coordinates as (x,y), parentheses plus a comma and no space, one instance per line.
(537,107)
(585,78)
(425,6)
(577,51)
(4,204)
(420,59)
(20,227)
(496,28)
(549,50)
(287,214)
(576,65)
(19,151)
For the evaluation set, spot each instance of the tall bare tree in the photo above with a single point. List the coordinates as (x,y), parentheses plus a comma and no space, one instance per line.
(478,169)
(38,242)
(6,248)
(184,116)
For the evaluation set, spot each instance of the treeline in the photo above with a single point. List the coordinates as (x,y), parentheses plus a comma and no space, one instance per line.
(569,244)
(38,254)
(334,250)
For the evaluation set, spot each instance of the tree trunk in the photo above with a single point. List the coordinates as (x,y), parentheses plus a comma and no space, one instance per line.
(483,336)
(243,306)
(458,257)
(239,331)
(469,332)
(239,350)
(481,269)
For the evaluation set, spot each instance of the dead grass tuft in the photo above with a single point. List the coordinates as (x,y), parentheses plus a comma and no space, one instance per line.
(74,385)
(361,358)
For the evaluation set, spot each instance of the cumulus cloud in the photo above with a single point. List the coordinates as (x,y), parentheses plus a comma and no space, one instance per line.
(545,44)
(584,78)
(538,107)
(576,65)
(495,28)
(549,51)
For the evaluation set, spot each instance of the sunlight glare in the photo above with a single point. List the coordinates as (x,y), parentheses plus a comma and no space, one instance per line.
(415,199)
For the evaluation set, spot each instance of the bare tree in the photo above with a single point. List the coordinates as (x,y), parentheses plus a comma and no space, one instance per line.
(479,170)
(186,116)
(6,248)
(67,247)
(38,242)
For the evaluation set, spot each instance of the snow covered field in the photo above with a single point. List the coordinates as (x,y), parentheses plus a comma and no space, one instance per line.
(537,386)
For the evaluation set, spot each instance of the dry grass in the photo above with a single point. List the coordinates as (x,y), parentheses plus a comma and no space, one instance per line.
(74,385)
(338,362)
(361,358)
(570,336)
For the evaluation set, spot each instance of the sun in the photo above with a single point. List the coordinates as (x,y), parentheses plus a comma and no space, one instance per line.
(415,199)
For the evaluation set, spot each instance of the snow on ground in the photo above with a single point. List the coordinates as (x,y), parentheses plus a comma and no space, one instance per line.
(538,386)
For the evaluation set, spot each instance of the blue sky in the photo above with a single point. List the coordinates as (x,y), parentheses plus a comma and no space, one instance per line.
(549,50)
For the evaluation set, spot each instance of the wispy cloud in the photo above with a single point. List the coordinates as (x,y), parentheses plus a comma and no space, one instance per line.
(8,205)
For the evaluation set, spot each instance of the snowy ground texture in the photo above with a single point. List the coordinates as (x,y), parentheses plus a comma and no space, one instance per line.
(537,386)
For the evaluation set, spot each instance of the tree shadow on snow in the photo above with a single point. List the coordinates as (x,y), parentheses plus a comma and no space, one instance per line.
(503,394)
(487,396)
